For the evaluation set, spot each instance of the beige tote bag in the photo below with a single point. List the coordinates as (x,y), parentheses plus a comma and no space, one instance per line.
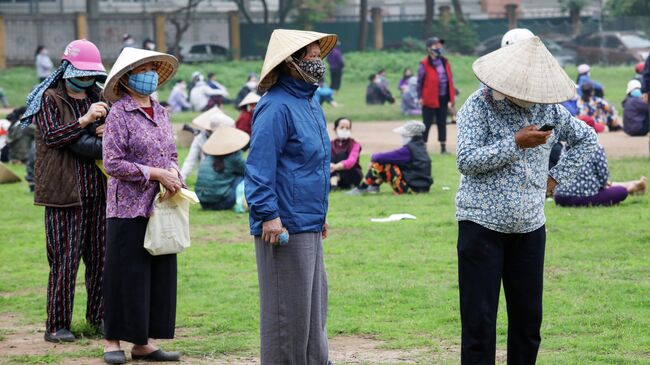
(168,230)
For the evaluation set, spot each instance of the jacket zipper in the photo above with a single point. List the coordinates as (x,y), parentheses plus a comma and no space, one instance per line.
(320,131)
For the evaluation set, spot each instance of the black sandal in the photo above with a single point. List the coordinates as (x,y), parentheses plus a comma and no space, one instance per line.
(114,357)
(158,355)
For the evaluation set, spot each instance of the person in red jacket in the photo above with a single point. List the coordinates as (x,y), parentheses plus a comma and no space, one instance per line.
(435,90)
(247,106)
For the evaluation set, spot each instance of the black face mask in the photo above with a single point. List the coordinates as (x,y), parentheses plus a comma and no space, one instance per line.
(587,94)
(313,68)
(85,85)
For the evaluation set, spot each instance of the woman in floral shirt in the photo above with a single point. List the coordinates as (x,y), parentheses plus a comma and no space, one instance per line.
(599,109)
(503,158)
(139,155)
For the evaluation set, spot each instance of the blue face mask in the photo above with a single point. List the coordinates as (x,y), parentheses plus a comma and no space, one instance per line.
(636,93)
(77,85)
(144,83)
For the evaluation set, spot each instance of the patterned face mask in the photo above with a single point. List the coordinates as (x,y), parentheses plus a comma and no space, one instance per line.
(313,68)
(144,83)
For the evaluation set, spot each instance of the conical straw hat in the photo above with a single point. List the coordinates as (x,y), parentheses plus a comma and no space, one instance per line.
(251,98)
(225,140)
(525,70)
(284,43)
(132,58)
(213,118)
(6,175)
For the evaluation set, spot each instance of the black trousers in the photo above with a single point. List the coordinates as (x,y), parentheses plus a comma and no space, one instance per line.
(336,75)
(485,257)
(439,115)
(348,178)
(139,289)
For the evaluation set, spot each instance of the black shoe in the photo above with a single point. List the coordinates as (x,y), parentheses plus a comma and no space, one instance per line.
(158,355)
(115,357)
(61,335)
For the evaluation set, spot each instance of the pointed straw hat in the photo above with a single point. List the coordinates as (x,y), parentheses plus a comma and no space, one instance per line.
(6,175)
(132,58)
(213,118)
(284,43)
(251,98)
(525,70)
(225,140)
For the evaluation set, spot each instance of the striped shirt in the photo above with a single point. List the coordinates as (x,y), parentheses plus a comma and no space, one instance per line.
(57,134)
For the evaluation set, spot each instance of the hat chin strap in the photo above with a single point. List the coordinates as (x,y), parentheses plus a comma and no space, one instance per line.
(305,76)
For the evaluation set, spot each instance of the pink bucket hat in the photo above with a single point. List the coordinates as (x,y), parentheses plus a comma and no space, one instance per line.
(83,55)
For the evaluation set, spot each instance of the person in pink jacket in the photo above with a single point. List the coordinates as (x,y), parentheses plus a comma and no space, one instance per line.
(345,171)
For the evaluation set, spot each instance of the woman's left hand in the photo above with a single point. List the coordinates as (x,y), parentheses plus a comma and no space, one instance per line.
(326,231)
(100,131)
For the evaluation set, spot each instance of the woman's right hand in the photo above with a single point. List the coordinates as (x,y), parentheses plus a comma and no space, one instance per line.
(271,231)
(96,111)
(170,181)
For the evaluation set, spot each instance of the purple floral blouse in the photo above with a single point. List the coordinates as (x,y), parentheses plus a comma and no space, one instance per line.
(134,142)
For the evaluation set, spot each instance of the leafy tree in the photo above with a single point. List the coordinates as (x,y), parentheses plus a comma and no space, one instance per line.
(629,7)
(574,7)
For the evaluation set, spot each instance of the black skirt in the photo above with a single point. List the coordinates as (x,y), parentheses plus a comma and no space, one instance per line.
(139,289)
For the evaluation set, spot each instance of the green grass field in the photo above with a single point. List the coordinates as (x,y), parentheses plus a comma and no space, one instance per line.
(18,81)
(396,282)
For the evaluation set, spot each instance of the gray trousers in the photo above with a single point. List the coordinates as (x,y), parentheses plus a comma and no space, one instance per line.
(293,301)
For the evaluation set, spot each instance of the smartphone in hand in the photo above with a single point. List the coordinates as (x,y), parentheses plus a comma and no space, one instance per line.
(546,127)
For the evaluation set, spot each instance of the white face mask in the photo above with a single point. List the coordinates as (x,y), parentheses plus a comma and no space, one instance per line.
(343,133)
(251,85)
(406,140)
(521,103)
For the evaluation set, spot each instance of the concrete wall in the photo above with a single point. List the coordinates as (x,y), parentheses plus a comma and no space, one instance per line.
(25,32)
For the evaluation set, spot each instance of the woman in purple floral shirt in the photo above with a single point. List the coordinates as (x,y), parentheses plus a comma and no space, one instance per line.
(139,154)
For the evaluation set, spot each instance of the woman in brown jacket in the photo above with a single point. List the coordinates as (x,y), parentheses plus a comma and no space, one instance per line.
(65,108)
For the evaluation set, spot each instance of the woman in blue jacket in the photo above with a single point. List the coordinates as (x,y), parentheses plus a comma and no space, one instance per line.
(287,183)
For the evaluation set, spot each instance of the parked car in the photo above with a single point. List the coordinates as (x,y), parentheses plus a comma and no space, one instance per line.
(612,48)
(202,52)
(562,55)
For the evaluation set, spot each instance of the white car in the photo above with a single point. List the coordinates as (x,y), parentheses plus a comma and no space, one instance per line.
(203,52)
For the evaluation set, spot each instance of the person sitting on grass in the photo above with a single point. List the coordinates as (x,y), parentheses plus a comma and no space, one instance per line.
(597,108)
(635,111)
(222,170)
(247,106)
(206,122)
(406,169)
(592,188)
(345,171)
(325,94)
(376,93)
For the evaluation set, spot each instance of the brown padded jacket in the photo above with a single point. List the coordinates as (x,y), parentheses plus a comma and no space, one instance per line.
(55,169)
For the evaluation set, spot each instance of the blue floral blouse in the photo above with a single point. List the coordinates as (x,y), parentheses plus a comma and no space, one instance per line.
(591,179)
(503,188)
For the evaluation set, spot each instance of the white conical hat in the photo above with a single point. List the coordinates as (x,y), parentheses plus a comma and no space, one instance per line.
(251,98)
(213,118)
(225,140)
(6,175)
(284,43)
(131,58)
(525,70)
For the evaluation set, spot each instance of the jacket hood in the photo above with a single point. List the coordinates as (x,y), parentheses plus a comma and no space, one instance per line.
(298,88)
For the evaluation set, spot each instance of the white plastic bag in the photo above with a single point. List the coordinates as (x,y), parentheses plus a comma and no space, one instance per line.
(168,230)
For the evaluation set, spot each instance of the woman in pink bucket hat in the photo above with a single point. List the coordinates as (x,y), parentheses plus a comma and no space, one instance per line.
(68,111)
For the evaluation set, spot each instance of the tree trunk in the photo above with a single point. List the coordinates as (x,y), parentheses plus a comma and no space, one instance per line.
(458,11)
(430,6)
(574,15)
(363,25)
(266,11)
(284,8)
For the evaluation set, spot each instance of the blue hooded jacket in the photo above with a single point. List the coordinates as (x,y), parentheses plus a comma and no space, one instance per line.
(288,165)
